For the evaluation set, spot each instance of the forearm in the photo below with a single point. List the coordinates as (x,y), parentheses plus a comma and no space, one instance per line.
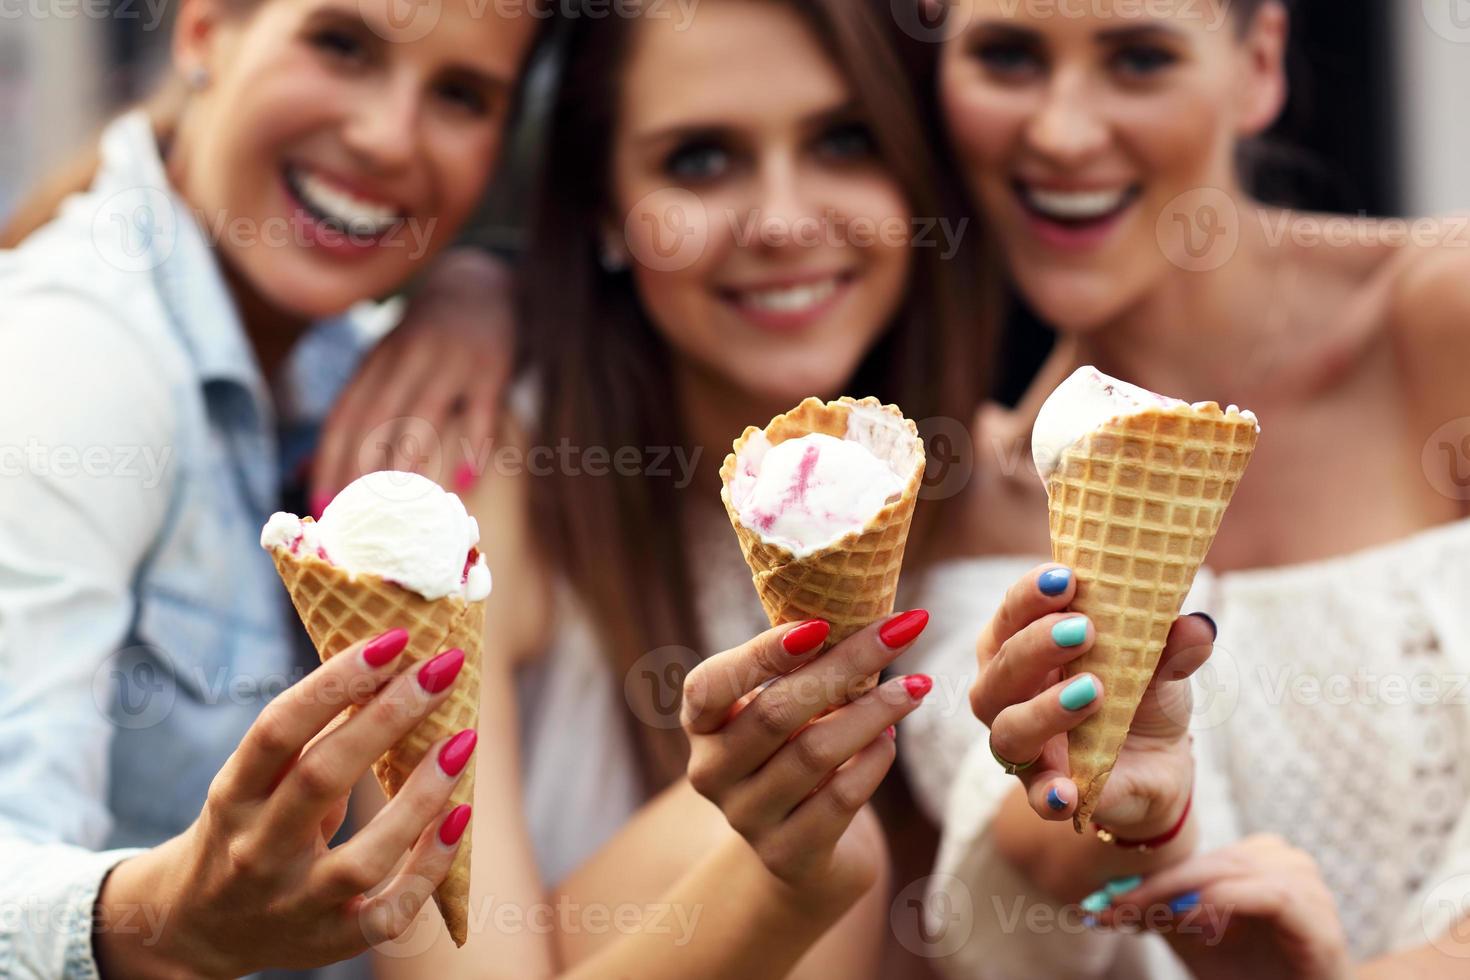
(1068,865)
(728,917)
(1444,959)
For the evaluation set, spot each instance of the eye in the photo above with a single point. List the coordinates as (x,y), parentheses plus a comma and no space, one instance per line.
(698,161)
(1008,59)
(338,44)
(464,96)
(1142,61)
(848,141)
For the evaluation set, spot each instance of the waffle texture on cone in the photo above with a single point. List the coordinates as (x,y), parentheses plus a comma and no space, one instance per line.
(1134,508)
(338,610)
(853,581)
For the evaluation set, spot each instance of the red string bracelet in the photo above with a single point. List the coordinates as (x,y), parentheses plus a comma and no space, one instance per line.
(1153,843)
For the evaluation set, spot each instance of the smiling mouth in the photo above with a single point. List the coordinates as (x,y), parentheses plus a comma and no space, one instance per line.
(331,205)
(1076,210)
(791,300)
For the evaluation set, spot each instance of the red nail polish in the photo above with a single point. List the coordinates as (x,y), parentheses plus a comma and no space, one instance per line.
(384,648)
(440,672)
(319,501)
(464,478)
(806,637)
(904,628)
(453,826)
(918,685)
(457,752)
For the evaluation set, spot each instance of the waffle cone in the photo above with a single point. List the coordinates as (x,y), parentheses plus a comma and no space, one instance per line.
(852,582)
(339,610)
(1134,508)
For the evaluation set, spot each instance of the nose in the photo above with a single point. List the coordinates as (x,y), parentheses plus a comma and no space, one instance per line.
(383,131)
(785,214)
(1068,129)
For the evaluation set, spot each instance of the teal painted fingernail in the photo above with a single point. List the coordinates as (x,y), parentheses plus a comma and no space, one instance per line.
(1118,886)
(1070,632)
(1079,694)
(1097,902)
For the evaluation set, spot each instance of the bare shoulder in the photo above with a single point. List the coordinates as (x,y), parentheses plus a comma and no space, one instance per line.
(1429,315)
(518,612)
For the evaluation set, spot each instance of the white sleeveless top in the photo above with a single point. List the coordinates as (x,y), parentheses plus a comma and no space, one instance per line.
(1334,712)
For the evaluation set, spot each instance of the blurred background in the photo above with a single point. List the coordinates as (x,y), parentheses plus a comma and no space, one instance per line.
(1377,122)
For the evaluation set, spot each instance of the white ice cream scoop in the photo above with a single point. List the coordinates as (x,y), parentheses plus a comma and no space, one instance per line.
(1086,401)
(398,526)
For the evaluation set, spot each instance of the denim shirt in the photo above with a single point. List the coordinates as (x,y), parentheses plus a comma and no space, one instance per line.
(142,628)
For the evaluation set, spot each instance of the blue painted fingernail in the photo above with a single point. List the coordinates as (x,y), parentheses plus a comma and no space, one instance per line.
(1054,581)
(1054,799)
(1097,902)
(1079,694)
(1185,902)
(1070,632)
(1118,886)
(1209,621)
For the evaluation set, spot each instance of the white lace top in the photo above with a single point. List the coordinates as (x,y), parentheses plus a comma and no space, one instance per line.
(1335,712)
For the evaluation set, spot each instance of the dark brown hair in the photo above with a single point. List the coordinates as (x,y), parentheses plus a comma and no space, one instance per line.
(603,370)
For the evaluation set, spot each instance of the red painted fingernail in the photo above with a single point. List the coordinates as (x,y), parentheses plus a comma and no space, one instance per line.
(440,672)
(904,628)
(806,637)
(319,501)
(384,648)
(457,752)
(918,685)
(452,829)
(464,478)
(891,732)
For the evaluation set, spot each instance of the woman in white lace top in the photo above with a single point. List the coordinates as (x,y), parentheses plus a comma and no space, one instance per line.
(1328,835)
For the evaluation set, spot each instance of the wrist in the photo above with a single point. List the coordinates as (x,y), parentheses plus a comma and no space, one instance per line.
(142,883)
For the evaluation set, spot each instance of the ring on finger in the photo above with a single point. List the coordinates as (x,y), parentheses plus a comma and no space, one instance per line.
(1011,768)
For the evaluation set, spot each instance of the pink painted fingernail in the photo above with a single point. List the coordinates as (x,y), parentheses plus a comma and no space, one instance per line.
(319,501)
(384,648)
(452,829)
(464,478)
(457,752)
(440,672)
(891,732)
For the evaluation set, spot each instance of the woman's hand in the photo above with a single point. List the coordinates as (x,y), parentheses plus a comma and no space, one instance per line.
(448,361)
(776,745)
(252,883)
(1258,908)
(1021,696)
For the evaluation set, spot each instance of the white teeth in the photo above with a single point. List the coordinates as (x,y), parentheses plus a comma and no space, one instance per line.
(793,299)
(333,203)
(1075,206)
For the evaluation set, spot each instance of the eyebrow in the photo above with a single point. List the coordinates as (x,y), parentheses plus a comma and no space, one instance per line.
(493,83)
(1112,35)
(680,133)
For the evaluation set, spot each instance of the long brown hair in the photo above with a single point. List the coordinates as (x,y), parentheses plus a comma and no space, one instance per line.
(603,371)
